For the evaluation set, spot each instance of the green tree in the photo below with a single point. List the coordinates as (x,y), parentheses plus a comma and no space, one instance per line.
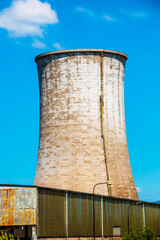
(4,236)
(147,234)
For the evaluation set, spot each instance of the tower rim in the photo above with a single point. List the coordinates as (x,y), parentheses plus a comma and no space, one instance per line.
(80,50)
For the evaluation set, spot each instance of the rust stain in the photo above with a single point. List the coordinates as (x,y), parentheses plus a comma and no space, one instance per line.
(18,206)
(33,219)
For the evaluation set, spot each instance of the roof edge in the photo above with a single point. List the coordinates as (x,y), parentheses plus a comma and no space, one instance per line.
(79,50)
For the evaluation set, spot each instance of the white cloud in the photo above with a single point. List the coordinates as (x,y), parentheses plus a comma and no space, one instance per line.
(94,14)
(85,10)
(38,44)
(107,17)
(17,166)
(139,189)
(27,18)
(58,46)
(135,13)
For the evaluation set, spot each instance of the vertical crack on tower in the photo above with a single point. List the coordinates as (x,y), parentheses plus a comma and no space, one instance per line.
(102,128)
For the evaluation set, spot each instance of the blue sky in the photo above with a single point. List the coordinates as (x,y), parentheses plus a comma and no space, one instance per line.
(31,27)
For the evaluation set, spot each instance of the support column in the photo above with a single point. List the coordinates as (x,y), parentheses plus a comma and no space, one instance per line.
(34,234)
(144,220)
(102,217)
(66,215)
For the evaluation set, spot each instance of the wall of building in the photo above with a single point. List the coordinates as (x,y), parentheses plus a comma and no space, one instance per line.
(70,214)
(64,214)
(82,124)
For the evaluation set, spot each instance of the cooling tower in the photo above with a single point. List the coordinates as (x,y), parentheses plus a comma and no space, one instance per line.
(82,123)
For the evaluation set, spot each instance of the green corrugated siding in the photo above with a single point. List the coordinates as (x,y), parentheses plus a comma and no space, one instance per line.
(114,214)
(107,217)
(52,213)
(80,215)
(41,213)
(124,218)
(152,213)
(136,217)
(157,220)
(98,218)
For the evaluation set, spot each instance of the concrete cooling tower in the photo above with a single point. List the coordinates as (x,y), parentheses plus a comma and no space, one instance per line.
(82,123)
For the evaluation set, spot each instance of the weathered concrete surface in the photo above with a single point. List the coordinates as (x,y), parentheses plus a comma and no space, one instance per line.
(82,124)
(18,206)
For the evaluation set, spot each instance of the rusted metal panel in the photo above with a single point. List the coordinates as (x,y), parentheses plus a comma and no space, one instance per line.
(18,206)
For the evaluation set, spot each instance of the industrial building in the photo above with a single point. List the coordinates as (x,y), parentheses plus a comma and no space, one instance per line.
(83,185)
(37,212)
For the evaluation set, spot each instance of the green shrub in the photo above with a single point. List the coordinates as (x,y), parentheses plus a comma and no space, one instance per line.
(4,236)
(147,234)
